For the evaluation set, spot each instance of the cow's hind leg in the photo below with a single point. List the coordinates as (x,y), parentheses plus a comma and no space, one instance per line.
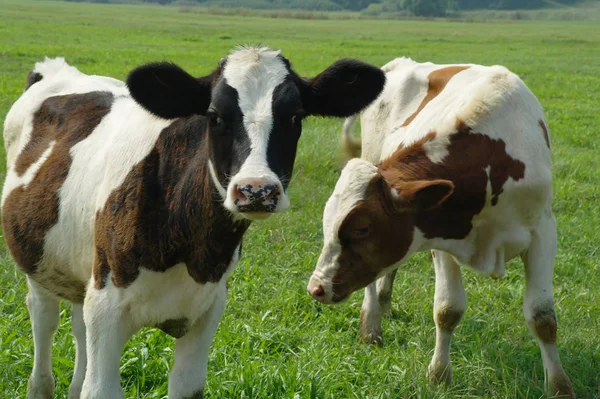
(449,304)
(108,328)
(188,376)
(78,328)
(538,304)
(44,312)
(377,302)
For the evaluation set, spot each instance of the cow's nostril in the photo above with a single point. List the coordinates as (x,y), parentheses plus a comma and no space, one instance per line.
(240,193)
(271,192)
(317,292)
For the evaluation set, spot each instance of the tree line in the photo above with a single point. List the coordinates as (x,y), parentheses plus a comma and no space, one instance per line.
(399,7)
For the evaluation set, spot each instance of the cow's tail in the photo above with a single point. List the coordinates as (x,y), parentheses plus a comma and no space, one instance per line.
(350,146)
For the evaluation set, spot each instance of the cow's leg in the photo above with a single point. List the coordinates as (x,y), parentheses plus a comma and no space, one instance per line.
(449,305)
(385,286)
(188,376)
(538,304)
(78,327)
(44,312)
(107,331)
(370,317)
(377,302)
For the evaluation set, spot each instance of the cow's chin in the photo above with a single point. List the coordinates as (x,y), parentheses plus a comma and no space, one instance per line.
(256,215)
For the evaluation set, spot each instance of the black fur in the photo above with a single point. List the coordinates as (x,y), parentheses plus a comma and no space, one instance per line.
(168,91)
(343,89)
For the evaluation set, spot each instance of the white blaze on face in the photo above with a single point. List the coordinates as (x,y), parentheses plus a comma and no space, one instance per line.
(255,73)
(349,191)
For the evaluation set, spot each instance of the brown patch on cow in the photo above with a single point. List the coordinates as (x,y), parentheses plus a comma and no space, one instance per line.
(438,80)
(447,318)
(28,213)
(560,386)
(32,78)
(453,218)
(167,212)
(384,294)
(545,130)
(176,328)
(388,240)
(544,323)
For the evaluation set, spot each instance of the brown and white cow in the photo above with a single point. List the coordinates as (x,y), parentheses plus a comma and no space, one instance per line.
(456,161)
(130,201)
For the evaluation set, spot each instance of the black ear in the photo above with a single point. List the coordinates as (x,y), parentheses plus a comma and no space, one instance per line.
(343,89)
(168,91)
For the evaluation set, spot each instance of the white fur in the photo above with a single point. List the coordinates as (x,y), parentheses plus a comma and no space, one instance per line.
(100,164)
(492,101)
(255,73)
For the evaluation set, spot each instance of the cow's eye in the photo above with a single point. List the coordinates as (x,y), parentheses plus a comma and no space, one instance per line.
(360,232)
(297,119)
(214,118)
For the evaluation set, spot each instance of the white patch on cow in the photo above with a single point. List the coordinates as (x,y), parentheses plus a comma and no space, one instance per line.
(100,164)
(58,78)
(213,176)
(437,149)
(349,190)
(13,180)
(255,73)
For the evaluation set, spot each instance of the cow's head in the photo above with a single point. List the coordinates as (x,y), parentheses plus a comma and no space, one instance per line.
(368,227)
(254,104)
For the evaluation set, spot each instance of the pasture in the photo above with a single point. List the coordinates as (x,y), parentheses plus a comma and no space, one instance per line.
(274,340)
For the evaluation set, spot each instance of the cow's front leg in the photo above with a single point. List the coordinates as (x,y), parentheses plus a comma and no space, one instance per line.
(377,302)
(78,328)
(107,330)
(188,376)
(44,312)
(450,302)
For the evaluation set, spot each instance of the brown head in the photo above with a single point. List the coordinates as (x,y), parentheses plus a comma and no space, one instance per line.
(369,226)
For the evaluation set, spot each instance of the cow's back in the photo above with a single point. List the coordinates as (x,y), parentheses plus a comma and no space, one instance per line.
(483,129)
(71,140)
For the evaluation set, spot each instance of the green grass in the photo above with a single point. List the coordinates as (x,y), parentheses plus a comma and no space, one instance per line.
(274,340)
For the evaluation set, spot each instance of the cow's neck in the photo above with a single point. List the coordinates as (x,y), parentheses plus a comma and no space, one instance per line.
(199,227)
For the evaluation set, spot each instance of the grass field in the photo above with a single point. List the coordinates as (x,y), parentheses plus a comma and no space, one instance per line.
(274,340)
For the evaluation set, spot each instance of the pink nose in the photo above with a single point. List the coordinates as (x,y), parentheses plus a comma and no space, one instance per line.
(256,195)
(317,292)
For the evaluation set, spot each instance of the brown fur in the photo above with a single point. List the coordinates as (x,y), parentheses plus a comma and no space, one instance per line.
(453,218)
(560,386)
(176,328)
(447,318)
(440,199)
(438,80)
(362,256)
(544,322)
(28,213)
(545,130)
(32,78)
(166,213)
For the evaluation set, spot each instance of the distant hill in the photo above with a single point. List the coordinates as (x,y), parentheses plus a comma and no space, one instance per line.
(372,7)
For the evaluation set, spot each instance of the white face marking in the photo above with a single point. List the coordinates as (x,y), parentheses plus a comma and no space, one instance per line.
(213,176)
(13,180)
(255,73)
(349,190)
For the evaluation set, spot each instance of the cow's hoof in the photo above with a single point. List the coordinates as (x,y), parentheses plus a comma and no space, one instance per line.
(439,373)
(40,387)
(560,386)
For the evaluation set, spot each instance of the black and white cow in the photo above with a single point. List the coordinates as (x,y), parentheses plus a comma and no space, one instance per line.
(130,201)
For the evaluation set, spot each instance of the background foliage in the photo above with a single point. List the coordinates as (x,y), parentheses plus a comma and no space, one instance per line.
(405,7)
